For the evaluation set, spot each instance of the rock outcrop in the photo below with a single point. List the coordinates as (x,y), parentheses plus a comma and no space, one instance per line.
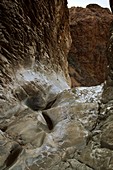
(34,42)
(99,152)
(43,123)
(33,32)
(90,33)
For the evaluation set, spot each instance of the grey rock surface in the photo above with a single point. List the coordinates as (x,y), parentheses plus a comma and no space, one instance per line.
(43,123)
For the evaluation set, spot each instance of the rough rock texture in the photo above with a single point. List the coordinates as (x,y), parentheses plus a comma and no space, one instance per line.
(90,33)
(34,42)
(33,32)
(107,135)
(43,123)
(28,143)
(98,154)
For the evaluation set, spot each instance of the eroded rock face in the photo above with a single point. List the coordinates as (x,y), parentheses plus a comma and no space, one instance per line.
(98,153)
(35,40)
(90,34)
(107,99)
(33,34)
(74,115)
(43,123)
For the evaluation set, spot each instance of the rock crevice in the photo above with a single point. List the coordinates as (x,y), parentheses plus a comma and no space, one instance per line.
(43,123)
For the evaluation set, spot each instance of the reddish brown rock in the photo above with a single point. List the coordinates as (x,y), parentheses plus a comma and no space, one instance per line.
(90,33)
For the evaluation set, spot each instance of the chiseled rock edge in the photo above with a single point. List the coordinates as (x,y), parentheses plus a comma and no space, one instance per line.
(73,122)
(27,141)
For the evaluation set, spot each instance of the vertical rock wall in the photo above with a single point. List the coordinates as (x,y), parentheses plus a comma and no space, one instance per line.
(41,128)
(90,34)
(33,32)
(108,88)
(34,42)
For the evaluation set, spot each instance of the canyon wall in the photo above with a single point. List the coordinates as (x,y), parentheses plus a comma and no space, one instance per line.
(90,33)
(43,123)
(33,33)
(34,42)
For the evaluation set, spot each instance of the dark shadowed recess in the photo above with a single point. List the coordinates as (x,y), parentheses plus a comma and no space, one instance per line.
(36,103)
(12,157)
